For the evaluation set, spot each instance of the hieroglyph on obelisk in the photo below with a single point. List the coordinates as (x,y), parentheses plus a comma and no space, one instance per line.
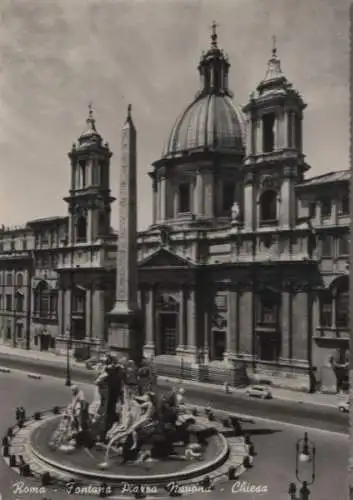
(122,331)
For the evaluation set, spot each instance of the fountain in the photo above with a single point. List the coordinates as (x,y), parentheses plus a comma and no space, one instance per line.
(131,435)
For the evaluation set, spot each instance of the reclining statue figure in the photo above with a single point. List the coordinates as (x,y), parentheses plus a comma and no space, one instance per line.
(123,414)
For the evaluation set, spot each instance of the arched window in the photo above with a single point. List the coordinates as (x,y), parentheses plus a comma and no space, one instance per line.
(9,279)
(184,198)
(268,207)
(81,229)
(268,130)
(41,300)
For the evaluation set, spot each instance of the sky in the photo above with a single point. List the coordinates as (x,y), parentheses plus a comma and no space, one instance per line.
(58,55)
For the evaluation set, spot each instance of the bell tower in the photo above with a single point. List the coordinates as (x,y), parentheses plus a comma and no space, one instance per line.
(274,161)
(89,198)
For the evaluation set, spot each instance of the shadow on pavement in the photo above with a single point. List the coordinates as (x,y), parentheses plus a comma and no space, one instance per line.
(260,432)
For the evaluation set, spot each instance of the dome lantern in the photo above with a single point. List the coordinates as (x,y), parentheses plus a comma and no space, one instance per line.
(214,68)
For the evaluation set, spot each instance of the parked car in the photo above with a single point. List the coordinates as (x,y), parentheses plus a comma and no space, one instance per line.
(259,391)
(343,406)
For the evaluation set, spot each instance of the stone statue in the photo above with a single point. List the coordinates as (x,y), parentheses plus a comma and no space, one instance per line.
(125,416)
(235,212)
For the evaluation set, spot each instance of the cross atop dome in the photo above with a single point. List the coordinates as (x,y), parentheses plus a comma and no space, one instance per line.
(91,122)
(214,36)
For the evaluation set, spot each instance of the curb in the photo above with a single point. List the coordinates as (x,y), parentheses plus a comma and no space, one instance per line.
(216,388)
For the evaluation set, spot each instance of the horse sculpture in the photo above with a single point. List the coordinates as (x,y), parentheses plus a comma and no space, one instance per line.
(123,414)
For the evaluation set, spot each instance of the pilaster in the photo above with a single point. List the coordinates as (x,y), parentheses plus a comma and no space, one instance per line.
(232,323)
(150,312)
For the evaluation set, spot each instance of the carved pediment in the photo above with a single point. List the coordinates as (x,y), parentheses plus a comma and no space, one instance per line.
(164,258)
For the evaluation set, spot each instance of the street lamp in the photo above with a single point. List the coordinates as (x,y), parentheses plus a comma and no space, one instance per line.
(68,368)
(305,454)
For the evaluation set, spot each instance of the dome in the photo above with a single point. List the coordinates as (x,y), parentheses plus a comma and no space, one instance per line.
(211,122)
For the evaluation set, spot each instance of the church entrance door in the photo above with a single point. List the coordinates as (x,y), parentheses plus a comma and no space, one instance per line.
(168,332)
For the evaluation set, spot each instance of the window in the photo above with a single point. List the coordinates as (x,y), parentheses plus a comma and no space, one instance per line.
(268,207)
(53,302)
(298,131)
(343,245)
(344,204)
(326,246)
(24,244)
(312,210)
(184,198)
(342,309)
(12,244)
(19,331)
(228,197)
(41,300)
(9,279)
(8,302)
(81,229)
(268,310)
(326,309)
(326,207)
(8,331)
(19,279)
(19,302)
(79,301)
(268,138)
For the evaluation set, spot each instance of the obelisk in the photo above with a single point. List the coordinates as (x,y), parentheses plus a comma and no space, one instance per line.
(125,326)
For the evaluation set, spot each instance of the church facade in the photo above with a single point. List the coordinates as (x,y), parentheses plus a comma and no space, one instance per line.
(246,260)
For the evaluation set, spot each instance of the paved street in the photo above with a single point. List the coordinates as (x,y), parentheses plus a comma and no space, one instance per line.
(274,443)
(311,415)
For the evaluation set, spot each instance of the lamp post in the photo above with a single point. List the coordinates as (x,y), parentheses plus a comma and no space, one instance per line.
(68,367)
(305,454)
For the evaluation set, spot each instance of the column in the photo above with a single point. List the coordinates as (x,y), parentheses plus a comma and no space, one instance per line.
(154,202)
(246,304)
(249,137)
(191,323)
(286,325)
(300,326)
(284,205)
(175,202)
(88,315)
(61,312)
(232,313)
(162,185)
(149,348)
(248,206)
(286,129)
(67,309)
(208,188)
(259,146)
(181,322)
(334,307)
(98,317)
(199,204)
(293,144)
